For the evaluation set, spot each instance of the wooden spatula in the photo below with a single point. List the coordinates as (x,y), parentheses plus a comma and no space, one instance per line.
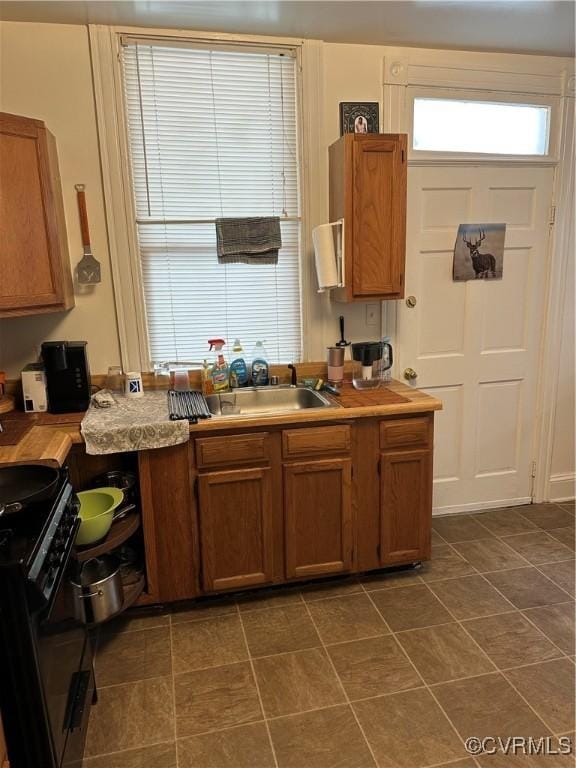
(88,269)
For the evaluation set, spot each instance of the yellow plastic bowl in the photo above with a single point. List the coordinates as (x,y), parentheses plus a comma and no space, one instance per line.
(96,513)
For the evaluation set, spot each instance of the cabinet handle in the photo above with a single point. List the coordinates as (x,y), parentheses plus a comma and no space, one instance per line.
(410,374)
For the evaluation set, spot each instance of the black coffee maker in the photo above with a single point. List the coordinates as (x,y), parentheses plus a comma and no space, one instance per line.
(67,375)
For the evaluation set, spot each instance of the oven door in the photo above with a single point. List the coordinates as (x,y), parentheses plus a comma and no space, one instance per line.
(65,664)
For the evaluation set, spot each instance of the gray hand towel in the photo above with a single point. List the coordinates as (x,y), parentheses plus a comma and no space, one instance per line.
(252,240)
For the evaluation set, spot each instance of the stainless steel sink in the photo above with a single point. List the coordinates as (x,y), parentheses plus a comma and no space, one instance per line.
(266,400)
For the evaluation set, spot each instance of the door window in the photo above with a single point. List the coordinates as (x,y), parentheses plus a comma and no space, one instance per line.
(495,128)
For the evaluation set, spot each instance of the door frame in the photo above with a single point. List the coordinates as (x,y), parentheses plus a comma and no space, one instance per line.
(515,74)
(561,241)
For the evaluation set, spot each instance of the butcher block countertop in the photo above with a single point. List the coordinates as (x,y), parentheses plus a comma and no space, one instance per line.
(50,437)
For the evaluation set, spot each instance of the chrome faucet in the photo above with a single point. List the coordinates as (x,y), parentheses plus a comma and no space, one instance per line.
(294,375)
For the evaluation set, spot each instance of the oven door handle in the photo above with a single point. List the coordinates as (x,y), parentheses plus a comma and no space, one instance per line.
(76,699)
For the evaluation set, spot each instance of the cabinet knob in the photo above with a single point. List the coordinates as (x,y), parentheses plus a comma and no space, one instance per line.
(410,374)
(411,302)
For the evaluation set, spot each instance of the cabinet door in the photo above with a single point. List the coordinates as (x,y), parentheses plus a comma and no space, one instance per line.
(378,236)
(318,517)
(34,260)
(235,516)
(405,506)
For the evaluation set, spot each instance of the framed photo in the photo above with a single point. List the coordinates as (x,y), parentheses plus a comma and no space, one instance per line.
(479,252)
(359,117)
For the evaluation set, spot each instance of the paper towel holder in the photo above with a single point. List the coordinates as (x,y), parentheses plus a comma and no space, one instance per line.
(329,255)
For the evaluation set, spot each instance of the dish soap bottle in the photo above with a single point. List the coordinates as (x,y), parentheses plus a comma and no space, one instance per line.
(260,368)
(238,369)
(219,372)
(207,385)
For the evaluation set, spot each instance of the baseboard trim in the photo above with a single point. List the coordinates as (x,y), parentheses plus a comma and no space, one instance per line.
(478,506)
(562,487)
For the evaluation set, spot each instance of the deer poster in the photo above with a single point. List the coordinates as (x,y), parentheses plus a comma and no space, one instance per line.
(479,252)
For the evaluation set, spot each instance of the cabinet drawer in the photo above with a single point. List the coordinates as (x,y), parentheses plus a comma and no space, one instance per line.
(316,440)
(404,433)
(233,449)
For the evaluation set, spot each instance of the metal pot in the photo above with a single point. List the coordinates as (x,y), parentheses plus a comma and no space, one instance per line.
(98,593)
(126,482)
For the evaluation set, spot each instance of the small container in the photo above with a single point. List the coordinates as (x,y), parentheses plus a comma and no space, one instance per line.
(98,591)
(133,384)
(336,365)
(115,380)
(181,379)
(162,376)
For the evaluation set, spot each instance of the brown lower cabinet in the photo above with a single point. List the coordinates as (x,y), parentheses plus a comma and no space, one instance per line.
(235,516)
(241,509)
(318,517)
(405,502)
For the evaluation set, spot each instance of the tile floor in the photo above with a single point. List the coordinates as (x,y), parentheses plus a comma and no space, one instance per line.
(393,671)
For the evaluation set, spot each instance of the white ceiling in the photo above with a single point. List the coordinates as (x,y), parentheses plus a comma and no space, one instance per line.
(521,26)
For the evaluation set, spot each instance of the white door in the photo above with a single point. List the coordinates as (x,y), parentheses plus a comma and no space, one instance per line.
(476,344)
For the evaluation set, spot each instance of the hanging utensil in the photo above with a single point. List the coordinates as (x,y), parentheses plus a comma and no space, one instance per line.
(88,269)
(342,342)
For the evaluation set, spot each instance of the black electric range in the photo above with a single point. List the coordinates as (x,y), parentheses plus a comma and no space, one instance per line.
(45,654)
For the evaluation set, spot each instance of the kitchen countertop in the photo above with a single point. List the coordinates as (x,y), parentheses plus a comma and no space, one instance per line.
(52,436)
(48,441)
(41,445)
(393,399)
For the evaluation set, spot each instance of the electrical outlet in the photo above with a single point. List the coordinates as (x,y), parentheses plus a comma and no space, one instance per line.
(372,314)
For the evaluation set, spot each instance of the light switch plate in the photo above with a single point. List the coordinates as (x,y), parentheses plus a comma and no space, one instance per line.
(372,314)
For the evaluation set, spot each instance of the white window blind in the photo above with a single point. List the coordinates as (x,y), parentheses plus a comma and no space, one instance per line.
(213,132)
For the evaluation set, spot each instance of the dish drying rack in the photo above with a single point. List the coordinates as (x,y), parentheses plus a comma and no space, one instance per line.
(187,404)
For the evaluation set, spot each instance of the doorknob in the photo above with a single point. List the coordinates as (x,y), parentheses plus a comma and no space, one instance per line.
(410,374)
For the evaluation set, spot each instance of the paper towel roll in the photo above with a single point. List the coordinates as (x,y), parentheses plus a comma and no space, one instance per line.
(325,252)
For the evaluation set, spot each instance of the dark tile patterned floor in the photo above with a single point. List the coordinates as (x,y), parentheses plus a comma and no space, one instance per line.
(394,671)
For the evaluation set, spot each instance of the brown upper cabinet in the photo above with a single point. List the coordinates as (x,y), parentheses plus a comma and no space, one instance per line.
(35,272)
(368,191)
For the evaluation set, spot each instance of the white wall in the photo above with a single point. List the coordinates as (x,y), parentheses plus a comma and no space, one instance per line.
(45,73)
(351,73)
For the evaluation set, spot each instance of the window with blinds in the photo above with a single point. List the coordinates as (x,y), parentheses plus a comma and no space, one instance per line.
(213,133)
